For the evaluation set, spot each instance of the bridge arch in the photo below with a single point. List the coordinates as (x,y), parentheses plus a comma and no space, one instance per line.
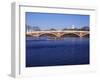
(47,35)
(86,35)
(70,35)
(29,35)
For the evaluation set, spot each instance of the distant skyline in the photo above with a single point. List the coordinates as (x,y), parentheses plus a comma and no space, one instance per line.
(47,21)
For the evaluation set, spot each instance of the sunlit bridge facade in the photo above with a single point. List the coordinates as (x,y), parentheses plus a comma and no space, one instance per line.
(57,34)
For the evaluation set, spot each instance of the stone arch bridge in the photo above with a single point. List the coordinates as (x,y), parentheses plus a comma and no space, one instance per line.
(58,34)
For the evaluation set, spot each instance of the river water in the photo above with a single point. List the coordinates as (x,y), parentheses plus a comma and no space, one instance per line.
(69,51)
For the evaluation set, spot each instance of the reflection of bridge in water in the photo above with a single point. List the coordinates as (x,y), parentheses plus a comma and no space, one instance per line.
(59,34)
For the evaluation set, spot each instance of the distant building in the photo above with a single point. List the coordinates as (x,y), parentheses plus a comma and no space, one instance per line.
(73,27)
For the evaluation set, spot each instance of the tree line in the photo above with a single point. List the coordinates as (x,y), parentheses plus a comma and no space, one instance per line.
(37,28)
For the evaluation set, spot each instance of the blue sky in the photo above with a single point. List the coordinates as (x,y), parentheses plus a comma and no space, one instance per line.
(57,21)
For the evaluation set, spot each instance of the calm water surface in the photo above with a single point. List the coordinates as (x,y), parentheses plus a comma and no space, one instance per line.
(70,51)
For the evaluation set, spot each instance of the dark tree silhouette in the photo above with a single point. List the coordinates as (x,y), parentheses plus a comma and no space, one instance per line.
(32,28)
(28,28)
(52,29)
(64,29)
(36,28)
(85,28)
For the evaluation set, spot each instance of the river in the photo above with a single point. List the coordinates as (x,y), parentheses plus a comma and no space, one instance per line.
(69,51)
